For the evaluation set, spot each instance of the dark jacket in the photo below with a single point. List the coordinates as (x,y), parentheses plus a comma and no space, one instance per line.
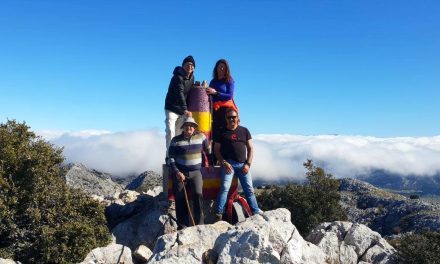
(178,91)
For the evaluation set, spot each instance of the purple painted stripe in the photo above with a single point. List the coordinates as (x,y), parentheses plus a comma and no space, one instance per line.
(211,172)
(198,100)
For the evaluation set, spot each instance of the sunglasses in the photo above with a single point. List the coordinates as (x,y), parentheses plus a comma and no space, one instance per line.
(231,117)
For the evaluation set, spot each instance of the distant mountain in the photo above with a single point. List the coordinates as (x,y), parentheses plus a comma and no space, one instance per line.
(143,182)
(386,212)
(411,184)
(105,185)
(91,181)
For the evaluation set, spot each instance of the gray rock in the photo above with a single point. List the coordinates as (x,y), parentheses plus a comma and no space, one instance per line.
(142,183)
(8,261)
(142,253)
(156,191)
(118,211)
(344,242)
(268,238)
(126,197)
(187,245)
(248,242)
(90,181)
(362,238)
(113,253)
(146,220)
(299,250)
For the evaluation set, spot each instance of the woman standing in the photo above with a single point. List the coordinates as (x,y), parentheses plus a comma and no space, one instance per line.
(221,88)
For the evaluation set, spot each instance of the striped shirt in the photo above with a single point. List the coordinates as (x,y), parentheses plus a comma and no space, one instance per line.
(186,154)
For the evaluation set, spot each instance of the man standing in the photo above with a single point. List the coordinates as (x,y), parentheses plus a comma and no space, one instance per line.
(233,148)
(175,102)
(185,158)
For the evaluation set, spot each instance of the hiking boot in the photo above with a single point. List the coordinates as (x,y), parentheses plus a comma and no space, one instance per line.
(218,217)
(261,212)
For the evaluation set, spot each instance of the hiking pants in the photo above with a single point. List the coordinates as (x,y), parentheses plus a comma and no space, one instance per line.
(194,187)
(173,122)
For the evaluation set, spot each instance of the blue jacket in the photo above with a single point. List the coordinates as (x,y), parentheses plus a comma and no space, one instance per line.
(225,90)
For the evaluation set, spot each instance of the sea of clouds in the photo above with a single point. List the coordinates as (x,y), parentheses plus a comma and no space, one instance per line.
(277,157)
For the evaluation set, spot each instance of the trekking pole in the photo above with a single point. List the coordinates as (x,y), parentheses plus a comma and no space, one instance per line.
(187,205)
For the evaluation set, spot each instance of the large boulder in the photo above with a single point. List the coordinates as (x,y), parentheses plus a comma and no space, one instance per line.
(113,253)
(268,238)
(188,245)
(345,242)
(140,222)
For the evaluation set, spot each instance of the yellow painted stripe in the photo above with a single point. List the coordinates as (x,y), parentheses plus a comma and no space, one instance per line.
(215,183)
(204,120)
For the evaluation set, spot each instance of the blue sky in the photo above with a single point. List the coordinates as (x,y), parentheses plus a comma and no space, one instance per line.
(366,68)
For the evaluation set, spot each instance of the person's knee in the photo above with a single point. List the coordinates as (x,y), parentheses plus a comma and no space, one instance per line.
(249,191)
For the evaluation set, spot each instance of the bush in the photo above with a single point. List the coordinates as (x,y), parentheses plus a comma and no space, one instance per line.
(414,196)
(42,220)
(310,204)
(419,248)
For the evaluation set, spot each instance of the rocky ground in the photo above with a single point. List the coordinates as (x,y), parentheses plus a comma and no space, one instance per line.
(144,230)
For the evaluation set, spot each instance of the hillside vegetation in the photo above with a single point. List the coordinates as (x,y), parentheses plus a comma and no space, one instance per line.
(42,220)
(310,204)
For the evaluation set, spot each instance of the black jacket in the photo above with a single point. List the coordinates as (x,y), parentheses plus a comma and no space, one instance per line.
(178,91)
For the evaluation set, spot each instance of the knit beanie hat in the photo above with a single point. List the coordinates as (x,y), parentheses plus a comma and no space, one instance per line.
(189,59)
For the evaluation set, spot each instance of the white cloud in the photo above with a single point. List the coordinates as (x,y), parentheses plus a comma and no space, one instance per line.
(276,156)
(121,153)
(346,156)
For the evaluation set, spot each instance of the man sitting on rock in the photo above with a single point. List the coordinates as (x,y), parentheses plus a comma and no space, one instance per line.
(185,159)
(233,148)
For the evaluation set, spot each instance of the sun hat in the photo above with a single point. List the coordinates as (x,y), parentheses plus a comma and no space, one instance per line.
(191,121)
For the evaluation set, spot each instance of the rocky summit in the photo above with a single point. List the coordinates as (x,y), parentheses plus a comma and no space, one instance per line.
(144,230)
(267,238)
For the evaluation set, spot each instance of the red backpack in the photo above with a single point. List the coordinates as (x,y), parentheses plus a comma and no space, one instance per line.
(237,208)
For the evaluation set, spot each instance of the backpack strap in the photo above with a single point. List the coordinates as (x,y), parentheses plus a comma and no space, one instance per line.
(245,205)
(229,210)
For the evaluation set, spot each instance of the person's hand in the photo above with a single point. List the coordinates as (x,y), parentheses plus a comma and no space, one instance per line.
(188,113)
(245,168)
(210,90)
(227,167)
(180,177)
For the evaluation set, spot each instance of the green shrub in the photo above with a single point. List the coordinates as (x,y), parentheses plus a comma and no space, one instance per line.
(42,220)
(419,248)
(310,204)
(414,196)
